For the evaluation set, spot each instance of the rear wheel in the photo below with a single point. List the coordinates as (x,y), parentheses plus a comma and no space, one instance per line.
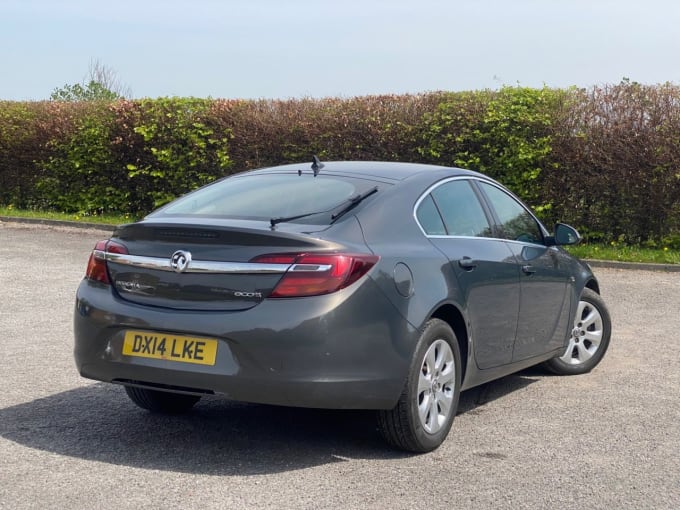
(423,416)
(589,337)
(161,401)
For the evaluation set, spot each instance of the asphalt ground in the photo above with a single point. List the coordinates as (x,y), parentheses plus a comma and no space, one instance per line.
(609,439)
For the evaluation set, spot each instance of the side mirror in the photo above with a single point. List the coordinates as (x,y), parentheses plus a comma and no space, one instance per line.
(564,235)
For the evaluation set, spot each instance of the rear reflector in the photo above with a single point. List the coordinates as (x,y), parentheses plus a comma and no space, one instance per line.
(314,274)
(96,265)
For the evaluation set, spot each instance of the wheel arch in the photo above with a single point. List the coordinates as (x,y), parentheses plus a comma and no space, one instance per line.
(454,318)
(593,285)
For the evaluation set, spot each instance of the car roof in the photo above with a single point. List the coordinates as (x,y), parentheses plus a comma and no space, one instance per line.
(387,170)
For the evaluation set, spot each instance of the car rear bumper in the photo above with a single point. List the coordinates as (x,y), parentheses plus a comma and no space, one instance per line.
(347,350)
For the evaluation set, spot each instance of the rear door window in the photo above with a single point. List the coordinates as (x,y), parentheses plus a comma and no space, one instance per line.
(461,209)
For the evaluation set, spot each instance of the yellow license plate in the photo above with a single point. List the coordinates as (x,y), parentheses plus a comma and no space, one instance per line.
(188,349)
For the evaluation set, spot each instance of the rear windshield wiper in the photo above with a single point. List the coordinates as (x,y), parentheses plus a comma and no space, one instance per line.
(348,205)
(275,221)
(353,202)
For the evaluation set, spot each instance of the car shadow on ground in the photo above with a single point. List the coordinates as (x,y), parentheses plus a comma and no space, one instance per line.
(220,437)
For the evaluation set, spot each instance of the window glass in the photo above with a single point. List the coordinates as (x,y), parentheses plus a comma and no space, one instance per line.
(266,196)
(516,222)
(429,218)
(462,212)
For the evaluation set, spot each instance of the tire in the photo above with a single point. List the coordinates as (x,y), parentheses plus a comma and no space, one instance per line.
(422,418)
(161,401)
(589,337)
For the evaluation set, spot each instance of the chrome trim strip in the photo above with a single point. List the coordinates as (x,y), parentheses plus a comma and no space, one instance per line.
(195,266)
(461,237)
(311,268)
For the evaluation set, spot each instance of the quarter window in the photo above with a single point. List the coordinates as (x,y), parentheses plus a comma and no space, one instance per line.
(516,223)
(429,218)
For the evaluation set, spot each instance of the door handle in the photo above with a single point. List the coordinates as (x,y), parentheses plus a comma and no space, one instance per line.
(467,263)
(528,269)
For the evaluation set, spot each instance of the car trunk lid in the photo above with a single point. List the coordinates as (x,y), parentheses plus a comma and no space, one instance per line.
(203,266)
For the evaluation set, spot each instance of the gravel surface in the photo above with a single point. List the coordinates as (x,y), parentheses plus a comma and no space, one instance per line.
(610,439)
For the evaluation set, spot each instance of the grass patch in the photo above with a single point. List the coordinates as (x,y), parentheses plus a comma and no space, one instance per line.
(105,219)
(622,253)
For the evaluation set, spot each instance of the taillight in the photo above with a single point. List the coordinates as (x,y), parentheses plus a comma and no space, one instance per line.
(96,265)
(314,275)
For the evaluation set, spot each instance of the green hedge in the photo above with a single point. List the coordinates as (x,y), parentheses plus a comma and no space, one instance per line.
(606,159)
(130,156)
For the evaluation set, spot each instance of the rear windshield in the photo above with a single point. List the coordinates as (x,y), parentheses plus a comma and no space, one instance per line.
(268,196)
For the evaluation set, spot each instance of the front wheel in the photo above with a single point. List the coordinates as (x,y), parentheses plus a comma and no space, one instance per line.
(425,411)
(161,401)
(589,338)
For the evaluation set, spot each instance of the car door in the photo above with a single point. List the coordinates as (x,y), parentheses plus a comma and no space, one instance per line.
(545,279)
(455,220)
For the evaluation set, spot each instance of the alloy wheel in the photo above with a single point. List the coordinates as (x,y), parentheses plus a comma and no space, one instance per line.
(436,385)
(586,335)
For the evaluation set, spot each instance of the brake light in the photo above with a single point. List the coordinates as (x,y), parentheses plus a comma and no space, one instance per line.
(96,265)
(314,275)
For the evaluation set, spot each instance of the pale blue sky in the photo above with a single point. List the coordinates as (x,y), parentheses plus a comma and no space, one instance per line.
(296,48)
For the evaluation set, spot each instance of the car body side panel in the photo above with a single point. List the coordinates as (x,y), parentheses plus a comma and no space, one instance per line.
(476,376)
(490,294)
(491,310)
(428,280)
(545,305)
(390,231)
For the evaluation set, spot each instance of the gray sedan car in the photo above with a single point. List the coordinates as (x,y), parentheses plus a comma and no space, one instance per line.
(349,285)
